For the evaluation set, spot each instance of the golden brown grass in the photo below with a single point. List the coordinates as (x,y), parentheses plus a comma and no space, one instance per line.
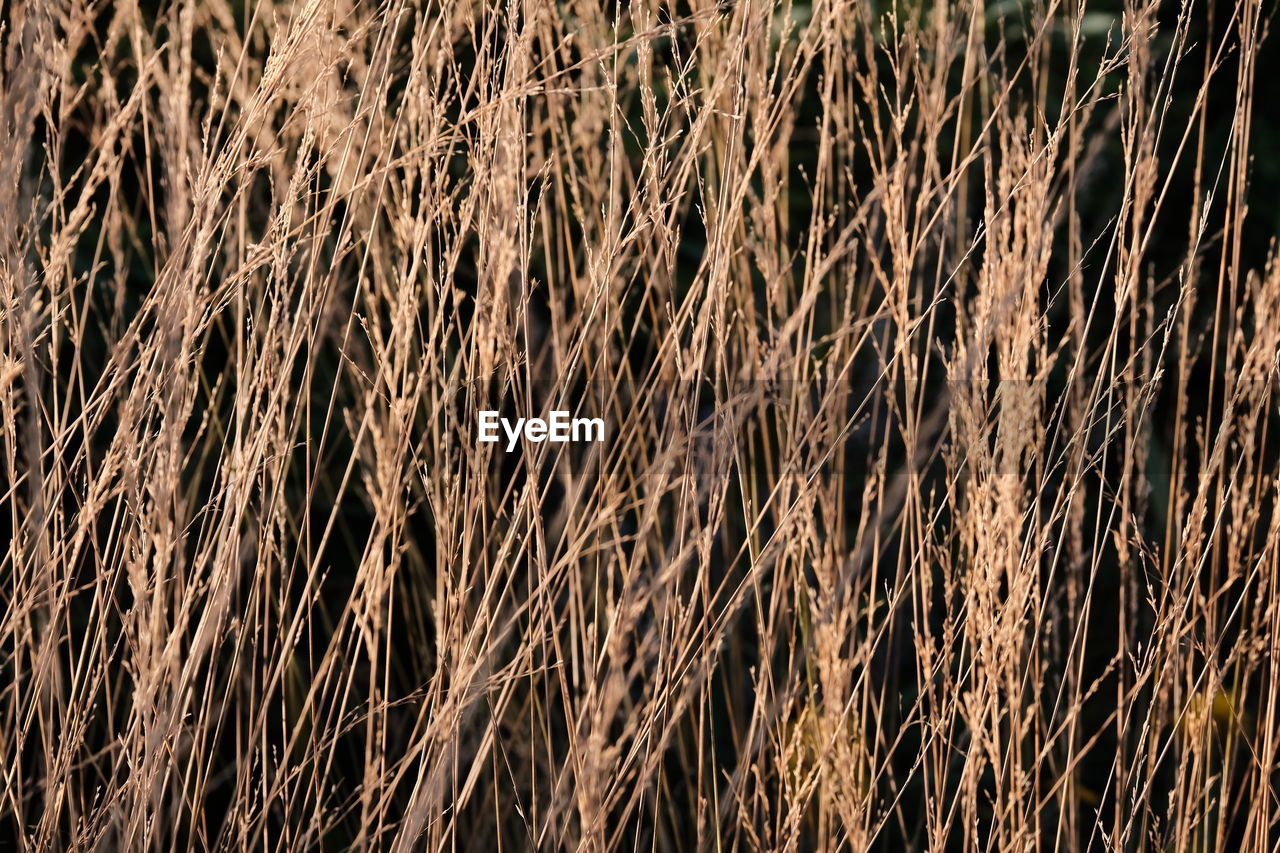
(937,508)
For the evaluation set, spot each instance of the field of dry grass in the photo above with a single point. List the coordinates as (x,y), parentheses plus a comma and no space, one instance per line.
(936,343)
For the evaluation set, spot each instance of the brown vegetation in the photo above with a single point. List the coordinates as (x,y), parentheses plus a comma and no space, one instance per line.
(937,345)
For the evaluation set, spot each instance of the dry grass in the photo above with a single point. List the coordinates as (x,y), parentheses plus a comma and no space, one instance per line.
(937,347)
